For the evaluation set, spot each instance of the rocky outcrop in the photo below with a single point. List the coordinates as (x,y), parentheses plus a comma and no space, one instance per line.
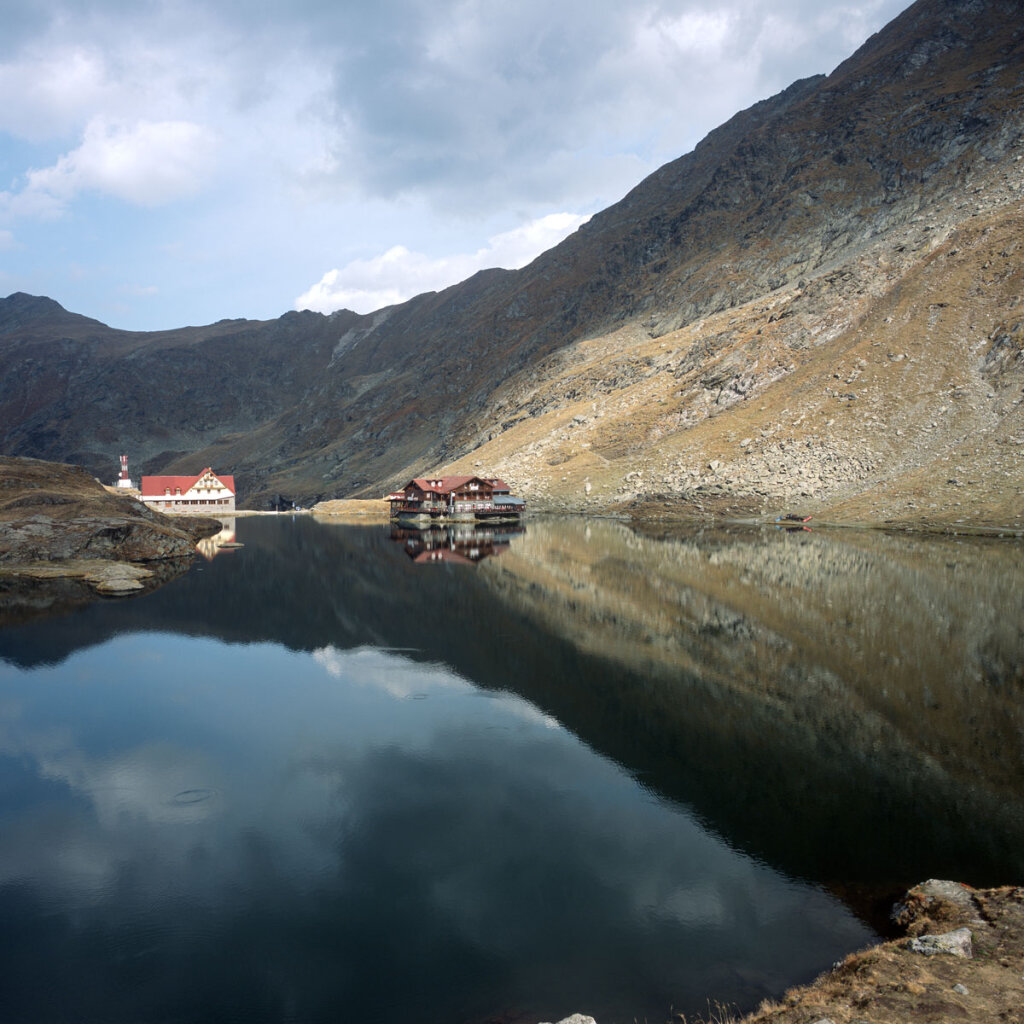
(55,513)
(65,539)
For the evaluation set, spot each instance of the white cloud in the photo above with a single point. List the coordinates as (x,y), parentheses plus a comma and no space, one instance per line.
(141,290)
(301,131)
(364,285)
(147,163)
(50,93)
(693,32)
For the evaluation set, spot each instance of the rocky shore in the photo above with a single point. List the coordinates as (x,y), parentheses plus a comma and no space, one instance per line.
(65,539)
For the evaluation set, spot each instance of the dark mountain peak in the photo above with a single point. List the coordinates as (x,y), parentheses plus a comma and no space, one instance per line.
(24,301)
(927,30)
(21,309)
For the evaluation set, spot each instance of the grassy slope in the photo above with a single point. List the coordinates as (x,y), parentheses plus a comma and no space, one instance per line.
(762,393)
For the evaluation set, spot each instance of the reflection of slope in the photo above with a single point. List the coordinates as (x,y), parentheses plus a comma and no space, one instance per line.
(894,660)
(871,635)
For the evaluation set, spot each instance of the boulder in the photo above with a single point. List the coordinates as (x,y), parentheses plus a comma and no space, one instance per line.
(956,943)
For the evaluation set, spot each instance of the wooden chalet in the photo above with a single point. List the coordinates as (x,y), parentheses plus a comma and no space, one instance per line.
(455,498)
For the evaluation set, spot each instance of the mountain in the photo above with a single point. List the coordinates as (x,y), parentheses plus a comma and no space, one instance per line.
(818,306)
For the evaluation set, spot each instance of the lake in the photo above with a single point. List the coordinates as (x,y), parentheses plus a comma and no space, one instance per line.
(349,773)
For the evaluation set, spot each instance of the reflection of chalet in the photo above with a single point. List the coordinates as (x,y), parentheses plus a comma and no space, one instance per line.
(444,498)
(459,542)
(207,493)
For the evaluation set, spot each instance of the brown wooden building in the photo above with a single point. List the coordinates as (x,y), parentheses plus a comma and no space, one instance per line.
(455,497)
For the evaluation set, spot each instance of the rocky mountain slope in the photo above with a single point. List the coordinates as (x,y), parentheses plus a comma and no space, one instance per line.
(818,306)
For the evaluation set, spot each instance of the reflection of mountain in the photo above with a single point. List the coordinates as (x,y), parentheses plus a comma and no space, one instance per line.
(843,708)
(466,542)
(867,679)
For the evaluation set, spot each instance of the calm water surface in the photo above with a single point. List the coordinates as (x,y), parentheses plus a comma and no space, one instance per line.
(340,775)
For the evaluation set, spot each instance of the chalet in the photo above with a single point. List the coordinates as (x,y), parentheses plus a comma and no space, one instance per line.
(208,493)
(426,499)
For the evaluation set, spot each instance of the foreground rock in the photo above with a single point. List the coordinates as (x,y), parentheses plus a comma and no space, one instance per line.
(963,960)
(62,531)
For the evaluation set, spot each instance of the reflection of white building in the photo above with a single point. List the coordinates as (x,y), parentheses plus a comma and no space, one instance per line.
(207,493)
(210,547)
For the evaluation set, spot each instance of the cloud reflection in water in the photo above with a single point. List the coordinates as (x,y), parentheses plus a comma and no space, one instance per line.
(439,859)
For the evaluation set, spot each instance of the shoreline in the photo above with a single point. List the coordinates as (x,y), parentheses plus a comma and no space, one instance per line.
(960,957)
(376,510)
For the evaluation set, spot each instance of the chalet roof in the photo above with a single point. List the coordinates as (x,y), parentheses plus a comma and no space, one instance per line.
(156,486)
(444,484)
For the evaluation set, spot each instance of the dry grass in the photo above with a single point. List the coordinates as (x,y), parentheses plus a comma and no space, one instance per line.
(361,510)
(715,1013)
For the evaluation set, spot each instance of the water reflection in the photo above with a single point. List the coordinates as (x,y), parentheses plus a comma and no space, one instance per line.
(460,542)
(329,794)
(864,687)
(219,543)
(300,839)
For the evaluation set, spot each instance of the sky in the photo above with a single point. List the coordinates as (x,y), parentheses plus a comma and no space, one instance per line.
(166,163)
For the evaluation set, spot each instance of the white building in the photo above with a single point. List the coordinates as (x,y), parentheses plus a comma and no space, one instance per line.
(208,493)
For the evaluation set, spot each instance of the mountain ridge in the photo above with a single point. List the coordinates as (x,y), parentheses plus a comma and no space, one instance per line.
(752,259)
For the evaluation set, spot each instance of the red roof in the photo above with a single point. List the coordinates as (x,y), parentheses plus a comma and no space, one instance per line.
(443,484)
(157,486)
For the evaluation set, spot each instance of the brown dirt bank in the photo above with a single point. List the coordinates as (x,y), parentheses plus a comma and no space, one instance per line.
(364,510)
(728,509)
